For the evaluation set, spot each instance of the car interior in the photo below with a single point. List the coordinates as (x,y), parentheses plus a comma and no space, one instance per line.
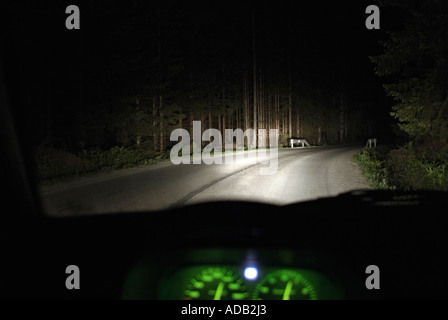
(320,249)
(324,245)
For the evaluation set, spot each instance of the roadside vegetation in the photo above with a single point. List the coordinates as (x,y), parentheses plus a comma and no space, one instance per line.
(405,168)
(414,67)
(55,165)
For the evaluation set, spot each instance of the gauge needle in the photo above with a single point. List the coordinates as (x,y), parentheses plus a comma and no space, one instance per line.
(287,292)
(219,290)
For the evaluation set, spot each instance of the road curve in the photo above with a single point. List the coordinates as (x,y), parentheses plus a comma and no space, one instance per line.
(302,174)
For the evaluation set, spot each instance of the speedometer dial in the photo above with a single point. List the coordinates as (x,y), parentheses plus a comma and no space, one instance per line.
(216,283)
(284,285)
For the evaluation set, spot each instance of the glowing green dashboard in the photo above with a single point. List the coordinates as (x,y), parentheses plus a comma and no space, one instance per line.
(234,274)
(229,282)
(224,282)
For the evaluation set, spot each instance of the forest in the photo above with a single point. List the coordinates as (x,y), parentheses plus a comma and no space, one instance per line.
(135,71)
(413,66)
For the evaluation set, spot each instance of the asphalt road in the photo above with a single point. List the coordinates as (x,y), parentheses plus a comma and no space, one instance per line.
(301,174)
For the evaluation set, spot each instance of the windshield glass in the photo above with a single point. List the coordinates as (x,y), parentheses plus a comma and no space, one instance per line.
(149,105)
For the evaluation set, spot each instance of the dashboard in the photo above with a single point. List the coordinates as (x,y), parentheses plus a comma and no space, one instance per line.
(234,274)
(255,252)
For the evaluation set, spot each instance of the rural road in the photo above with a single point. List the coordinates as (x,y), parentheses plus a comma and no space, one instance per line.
(302,174)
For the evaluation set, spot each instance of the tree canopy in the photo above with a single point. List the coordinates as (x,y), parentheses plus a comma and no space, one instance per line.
(415,64)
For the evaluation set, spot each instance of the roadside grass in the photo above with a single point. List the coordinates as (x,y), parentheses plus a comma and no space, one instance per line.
(404,168)
(55,165)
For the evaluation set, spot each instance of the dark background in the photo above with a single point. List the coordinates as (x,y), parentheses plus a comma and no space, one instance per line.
(70,85)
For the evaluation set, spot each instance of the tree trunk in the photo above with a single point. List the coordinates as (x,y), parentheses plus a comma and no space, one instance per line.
(277,110)
(299,134)
(223,128)
(290,106)
(209,120)
(341,119)
(202,126)
(154,122)
(181,122)
(254,76)
(246,113)
(237,117)
(319,135)
(283,123)
(191,122)
(138,138)
(260,101)
(162,145)
(345,118)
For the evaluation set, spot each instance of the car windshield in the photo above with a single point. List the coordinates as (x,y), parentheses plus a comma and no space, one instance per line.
(149,105)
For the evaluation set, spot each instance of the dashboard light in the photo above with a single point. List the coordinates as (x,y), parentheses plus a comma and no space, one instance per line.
(251,273)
